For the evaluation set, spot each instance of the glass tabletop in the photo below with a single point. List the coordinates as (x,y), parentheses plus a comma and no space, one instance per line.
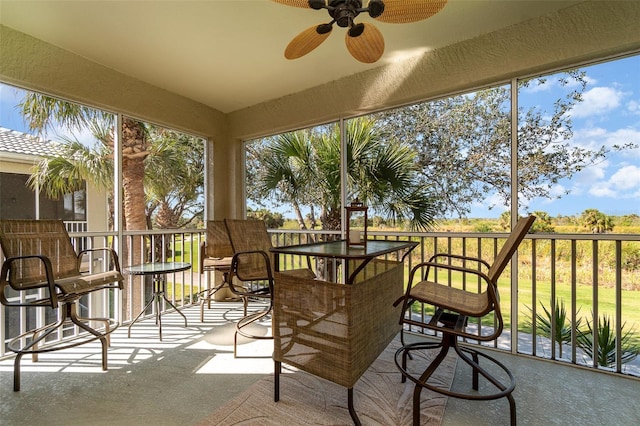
(340,249)
(157,268)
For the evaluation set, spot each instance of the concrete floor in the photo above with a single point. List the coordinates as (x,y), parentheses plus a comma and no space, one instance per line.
(189,374)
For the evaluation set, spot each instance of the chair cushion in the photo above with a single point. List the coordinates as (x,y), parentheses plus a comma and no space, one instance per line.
(86,283)
(451,298)
(210,263)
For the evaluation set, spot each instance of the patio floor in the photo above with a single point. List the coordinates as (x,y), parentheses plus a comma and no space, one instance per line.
(184,378)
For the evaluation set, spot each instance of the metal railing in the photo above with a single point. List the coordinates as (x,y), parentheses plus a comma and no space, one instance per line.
(593,278)
(140,246)
(596,278)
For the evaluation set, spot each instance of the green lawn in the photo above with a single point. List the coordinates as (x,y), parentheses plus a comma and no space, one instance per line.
(584,302)
(186,252)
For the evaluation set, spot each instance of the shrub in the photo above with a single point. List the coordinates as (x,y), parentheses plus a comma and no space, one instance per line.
(607,341)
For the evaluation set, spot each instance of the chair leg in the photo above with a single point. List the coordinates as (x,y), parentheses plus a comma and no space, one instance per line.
(277,369)
(208,294)
(105,341)
(16,372)
(444,350)
(469,356)
(37,336)
(68,313)
(248,320)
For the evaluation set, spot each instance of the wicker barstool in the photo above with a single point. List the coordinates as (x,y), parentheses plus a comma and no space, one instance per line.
(42,270)
(215,255)
(252,265)
(454,303)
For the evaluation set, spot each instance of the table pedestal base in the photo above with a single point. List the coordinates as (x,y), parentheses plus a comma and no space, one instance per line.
(158,295)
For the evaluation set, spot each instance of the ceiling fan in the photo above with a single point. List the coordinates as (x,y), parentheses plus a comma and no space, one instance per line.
(364,41)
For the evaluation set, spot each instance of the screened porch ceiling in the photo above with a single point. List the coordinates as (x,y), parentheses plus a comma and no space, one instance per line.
(228,54)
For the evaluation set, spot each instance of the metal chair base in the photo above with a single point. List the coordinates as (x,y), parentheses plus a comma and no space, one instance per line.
(39,335)
(246,321)
(504,388)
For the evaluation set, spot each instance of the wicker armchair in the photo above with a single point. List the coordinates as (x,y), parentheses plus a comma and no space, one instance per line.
(215,255)
(454,303)
(252,266)
(41,269)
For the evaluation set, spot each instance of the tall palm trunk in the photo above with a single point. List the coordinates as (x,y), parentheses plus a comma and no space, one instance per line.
(135,148)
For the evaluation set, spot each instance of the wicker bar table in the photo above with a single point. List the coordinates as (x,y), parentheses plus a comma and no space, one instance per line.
(336,330)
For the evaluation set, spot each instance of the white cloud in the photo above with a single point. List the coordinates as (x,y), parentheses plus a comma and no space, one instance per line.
(633,107)
(626,178)
(595,137)
(557,191)
(592,174)
(59,132)
(550,83)
(596,101)
(536,86)
(602,189)
(624,183)
(492,201)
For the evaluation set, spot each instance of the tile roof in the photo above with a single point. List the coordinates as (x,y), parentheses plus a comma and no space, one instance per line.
(12,141)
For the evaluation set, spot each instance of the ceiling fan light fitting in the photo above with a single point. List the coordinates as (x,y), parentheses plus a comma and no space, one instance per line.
(376,7)
(317,4)
(323,28)
(356,30)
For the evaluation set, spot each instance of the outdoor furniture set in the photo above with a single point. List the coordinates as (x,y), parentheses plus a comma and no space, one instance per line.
(333,328)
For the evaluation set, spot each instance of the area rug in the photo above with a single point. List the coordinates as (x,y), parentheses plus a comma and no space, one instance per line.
(379,397)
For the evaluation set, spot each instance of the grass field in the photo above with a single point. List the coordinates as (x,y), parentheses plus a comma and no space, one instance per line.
(584,292)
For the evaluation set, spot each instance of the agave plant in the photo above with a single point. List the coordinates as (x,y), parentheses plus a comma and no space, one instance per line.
(607,341)
(562,331)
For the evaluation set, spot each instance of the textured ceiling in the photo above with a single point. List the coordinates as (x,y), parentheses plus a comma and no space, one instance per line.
(228,54)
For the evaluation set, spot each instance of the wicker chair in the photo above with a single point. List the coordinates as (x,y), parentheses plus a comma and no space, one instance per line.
(454,304)
(41,269)
(215,255)
(252,266)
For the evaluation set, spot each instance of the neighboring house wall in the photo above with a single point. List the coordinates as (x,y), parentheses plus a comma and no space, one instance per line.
(19,152)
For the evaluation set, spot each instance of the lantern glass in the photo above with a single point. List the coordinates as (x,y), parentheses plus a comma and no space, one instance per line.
(356,224)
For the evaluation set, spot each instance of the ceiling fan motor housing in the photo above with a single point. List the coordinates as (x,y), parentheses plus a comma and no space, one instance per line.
(344,11)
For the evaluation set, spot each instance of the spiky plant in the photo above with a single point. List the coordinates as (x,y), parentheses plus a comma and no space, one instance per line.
(562,331)
(607,341)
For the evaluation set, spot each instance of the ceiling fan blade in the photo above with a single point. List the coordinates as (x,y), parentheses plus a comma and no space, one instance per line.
(306,41)
(367,47)
(405,11)
(295,3)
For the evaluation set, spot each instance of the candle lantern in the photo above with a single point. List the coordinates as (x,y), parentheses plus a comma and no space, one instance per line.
(356,224)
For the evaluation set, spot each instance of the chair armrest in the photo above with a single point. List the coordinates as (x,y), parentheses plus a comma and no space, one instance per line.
(482,275)
(203,254)
(50,283)
(459,257)
(111,252)
(267,262)
(263,273)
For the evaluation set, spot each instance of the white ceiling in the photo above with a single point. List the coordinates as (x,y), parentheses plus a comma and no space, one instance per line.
(228,54)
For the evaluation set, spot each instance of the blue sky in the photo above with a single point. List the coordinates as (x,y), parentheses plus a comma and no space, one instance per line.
(609,115)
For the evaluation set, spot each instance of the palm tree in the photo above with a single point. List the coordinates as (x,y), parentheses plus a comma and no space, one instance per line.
(66,173)
(596,221)
(43,112)
(174,179)
(303,168)
(162,170)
